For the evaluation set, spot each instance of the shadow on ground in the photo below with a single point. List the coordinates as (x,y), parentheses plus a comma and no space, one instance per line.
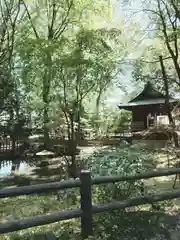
(142,225)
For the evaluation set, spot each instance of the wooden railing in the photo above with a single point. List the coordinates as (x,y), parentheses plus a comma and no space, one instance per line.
(6,144)
(86,210)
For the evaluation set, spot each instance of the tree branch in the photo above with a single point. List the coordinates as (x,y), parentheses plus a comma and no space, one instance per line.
(51,25)
(30,19)
(173,55)
(174,28)
(165,31)
(177,11)
(4,18)
(64,22)
(13,27)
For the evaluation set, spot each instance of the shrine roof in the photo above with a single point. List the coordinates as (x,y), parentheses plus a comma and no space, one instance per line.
(148,96)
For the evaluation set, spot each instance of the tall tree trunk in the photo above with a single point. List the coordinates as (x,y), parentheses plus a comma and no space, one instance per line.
(46,129)
(46,91)
(167,101)
(177,67)
(78,97)
(12,135)
(78,133)
(98,105)
(72,147)
(174,51)
(79,114)
(98,99)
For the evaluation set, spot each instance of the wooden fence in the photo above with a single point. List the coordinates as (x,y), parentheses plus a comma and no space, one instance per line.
(86,210)
(6,145)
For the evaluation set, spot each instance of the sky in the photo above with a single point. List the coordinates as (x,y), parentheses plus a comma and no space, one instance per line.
(129,14)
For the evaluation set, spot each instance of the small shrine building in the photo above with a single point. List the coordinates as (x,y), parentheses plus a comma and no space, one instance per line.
(148,108)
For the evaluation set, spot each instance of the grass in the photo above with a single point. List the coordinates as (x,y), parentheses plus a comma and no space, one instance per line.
(29,206)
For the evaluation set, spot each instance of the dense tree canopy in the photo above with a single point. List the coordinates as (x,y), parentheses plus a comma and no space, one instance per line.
(58,55)
(63,66)
(61,59)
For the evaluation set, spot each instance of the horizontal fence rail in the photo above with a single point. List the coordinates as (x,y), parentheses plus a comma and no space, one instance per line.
(135,202)
(87,210)
(146,175)
(12,226)
(39,188)
(74,183)
(75,213)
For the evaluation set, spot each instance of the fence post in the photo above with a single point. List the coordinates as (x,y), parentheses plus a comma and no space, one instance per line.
(86,203)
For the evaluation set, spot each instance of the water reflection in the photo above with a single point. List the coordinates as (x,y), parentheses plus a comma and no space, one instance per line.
(18,165)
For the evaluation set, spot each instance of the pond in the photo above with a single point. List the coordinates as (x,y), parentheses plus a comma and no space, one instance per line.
(31,165)
(20,166)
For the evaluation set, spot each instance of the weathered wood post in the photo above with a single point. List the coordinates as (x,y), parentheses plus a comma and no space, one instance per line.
(86,203)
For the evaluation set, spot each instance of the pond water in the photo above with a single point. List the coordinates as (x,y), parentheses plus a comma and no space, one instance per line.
(30,166)
(21,167)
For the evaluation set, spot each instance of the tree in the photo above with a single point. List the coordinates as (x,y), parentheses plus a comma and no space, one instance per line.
(51,24)
(10,15)
(62,59)
(81,74)
(167,12)
(165,18)
(164,40)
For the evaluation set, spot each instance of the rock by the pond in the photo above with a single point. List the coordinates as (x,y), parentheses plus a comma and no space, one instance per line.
(45,153)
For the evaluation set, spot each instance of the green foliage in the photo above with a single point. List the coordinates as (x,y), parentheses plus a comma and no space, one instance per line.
(111,121)
(121,121)
(65,54)
(84,61)
(6,89)
(119,161)
(114,161)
